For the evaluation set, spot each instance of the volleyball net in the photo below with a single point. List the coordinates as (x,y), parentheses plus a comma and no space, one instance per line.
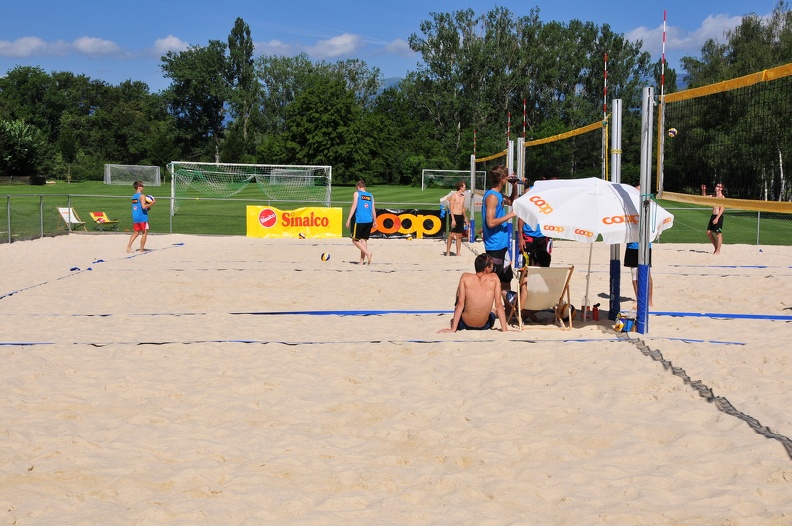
(573,154)
(736,133)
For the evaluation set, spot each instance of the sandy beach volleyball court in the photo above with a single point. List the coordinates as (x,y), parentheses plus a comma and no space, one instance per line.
(178,386)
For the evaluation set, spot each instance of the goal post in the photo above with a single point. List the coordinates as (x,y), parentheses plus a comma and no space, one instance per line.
(449,178)
(127,174)
(297,183)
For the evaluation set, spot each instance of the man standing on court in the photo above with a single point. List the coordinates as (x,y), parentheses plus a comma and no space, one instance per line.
(496,224)
(140,222)
(715,225)
(456,208)
(365,215)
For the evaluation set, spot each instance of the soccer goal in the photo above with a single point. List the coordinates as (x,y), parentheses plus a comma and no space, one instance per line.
(449,178)
(304,184)
(127,174)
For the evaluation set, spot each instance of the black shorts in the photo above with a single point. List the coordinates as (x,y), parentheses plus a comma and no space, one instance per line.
(715,226)
(504,274)
(459,226)
(631,257)
(361,230)
(536,250)
(461,326)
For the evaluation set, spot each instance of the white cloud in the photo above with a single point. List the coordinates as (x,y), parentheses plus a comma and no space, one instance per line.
(713,27)
(96,46)
(28,47)
(169,43)
(276,48)
(399,47)
(342,45)
(682,41)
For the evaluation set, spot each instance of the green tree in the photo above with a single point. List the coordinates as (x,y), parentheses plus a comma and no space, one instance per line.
(755,44)
(24,150)
(198,95)
(478,70)
(281,80)
(242,77)
(325,126)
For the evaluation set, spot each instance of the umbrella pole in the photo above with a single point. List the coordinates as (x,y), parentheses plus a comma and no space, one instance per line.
(583,308)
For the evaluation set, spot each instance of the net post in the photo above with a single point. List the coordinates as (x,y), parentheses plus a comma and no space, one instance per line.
(472,231)
(615,250)
(647,118)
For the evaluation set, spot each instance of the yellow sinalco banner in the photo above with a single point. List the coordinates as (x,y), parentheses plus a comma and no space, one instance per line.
(268,221)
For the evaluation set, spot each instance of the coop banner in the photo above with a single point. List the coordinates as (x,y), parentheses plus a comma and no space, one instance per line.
(317,222)
(404,223)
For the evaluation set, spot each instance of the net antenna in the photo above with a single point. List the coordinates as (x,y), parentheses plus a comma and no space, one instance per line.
(661,115)
(125,174)
(288,183)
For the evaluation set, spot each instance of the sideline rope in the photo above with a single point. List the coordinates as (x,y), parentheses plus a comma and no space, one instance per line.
(720,402)
(77,270)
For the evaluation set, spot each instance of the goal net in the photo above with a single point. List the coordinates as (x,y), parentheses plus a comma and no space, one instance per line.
(303,184)
(449,178)
(127,174)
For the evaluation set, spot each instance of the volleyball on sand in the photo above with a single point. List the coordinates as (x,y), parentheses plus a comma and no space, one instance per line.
(325,256)
(672,132)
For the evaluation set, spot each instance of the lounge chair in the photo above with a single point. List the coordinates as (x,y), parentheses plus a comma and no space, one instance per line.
(548,288)
(69,217)
(102,222)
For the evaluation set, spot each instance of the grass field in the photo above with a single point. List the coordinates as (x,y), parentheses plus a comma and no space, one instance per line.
(31,210)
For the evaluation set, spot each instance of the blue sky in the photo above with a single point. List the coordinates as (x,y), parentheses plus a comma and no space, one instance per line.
(115,41)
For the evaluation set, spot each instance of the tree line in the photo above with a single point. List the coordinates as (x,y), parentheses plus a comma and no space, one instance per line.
(225,105)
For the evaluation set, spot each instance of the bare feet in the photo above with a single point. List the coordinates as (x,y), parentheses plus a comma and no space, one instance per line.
(369,257)
(129,250)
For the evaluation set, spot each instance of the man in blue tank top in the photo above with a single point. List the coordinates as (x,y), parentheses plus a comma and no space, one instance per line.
(496,224)
(140,222)
(364,214)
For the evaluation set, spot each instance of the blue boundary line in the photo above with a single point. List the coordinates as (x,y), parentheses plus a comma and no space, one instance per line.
(720,315)
(619,338)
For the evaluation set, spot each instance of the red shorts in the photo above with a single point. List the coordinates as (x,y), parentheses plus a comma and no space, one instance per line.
(138,227)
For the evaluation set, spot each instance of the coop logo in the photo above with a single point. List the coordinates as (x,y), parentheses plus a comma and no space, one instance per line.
(268,217)
(406,223)
(541,204)
(292,219)
(615,220)
(553,228)
(584,233)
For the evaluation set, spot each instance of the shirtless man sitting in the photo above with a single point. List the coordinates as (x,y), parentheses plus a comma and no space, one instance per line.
(476,295)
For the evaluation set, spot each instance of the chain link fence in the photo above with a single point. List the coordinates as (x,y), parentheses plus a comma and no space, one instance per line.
(32,216)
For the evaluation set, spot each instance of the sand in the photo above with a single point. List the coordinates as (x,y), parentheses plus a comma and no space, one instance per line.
(160,388)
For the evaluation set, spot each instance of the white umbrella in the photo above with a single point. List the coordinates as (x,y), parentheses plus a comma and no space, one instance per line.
(587,210)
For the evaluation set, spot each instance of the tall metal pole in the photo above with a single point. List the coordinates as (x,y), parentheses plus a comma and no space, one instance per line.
(647,121)
(472,230)
(615,250)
